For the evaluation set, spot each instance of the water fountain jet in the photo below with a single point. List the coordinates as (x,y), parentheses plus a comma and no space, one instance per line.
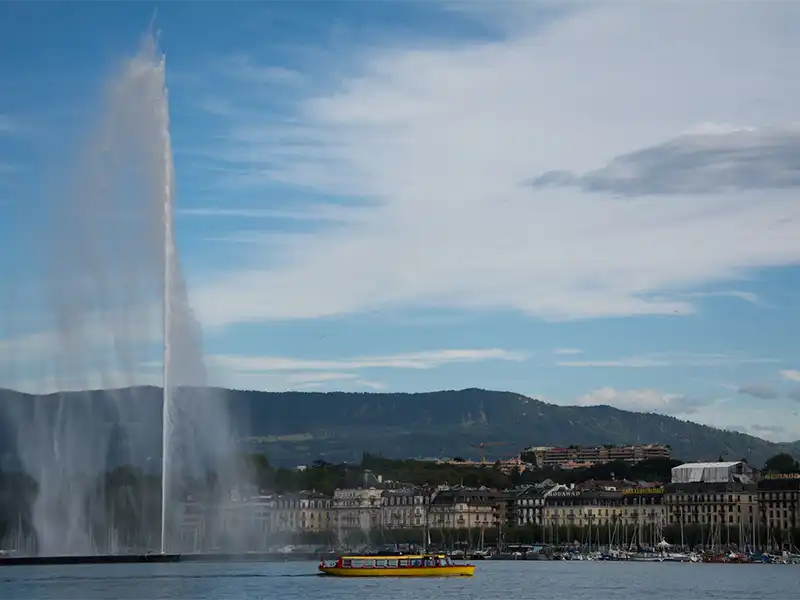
(115,303)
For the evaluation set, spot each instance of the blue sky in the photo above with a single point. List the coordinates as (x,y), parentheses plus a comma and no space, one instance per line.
(585,203)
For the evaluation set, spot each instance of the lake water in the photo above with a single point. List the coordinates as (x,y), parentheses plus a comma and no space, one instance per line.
(524,580)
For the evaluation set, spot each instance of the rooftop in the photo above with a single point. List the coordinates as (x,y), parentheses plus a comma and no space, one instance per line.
(708,465)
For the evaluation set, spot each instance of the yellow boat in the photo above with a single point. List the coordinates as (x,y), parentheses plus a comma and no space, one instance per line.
(400,565)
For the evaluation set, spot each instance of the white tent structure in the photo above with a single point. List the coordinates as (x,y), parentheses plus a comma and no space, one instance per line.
(707,472)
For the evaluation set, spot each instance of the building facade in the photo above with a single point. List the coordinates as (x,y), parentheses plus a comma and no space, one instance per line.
(357,508)
(524,506)
(605,508)
(465,508)
(779,504)
(548,457)
(403,508)
(712,504)
(316,512)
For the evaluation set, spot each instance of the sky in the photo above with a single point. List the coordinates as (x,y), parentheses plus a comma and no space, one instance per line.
(586,203)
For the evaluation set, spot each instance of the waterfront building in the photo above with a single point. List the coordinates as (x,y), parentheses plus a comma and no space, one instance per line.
(403,508)
(316,512)
(524,506)
(465,508)
(724,511)
(605,507)
(779,504)
(357,508)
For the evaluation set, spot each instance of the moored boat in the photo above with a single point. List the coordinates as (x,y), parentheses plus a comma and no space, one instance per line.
(404,565)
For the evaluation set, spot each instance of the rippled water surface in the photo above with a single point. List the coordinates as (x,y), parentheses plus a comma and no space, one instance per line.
(531,580)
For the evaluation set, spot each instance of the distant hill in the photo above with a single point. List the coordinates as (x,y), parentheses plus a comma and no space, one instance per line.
(299,427)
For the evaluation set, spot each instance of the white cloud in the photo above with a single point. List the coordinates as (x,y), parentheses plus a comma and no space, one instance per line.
(642,400)
(719,412)
(746,296)
(667,360)
(567,351)
(697,163)
(85,379)
(441,136)
(93,332)
(632,362)
(268,372)
(373,385)
(242,66)
(276,372)
(759,390)
(791,374)
(415,360)
(318,212)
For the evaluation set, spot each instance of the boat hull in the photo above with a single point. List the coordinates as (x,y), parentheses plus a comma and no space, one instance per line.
(448,571)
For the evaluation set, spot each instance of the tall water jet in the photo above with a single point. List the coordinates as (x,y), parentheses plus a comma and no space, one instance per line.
(113,315)
(169,253)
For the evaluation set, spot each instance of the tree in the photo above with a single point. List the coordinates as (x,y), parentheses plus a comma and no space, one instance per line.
(781,463)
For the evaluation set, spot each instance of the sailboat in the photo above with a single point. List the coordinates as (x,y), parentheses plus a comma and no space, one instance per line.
(667,556)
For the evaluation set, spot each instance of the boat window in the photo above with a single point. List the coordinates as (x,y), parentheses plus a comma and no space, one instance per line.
(357,564)
(380,562)
(392,562)
(347,563)
(369,563)
(403,562)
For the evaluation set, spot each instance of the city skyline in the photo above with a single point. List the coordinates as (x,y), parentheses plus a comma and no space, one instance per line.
(586,203)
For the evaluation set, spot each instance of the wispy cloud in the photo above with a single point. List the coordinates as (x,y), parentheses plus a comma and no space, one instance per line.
(415,360)
(316,212)
(762,431)
(430,131)
(667,360)
(243,67)
(794,394)
(707,162)
(760,391)
(746,296)
(567,351)
(640,400)
(791,374)
(373,385)
(276,372)
(634,362)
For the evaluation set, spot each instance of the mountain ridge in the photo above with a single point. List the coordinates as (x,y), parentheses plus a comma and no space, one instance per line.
(299,427)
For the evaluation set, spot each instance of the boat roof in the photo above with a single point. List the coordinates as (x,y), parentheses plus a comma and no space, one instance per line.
(385,556)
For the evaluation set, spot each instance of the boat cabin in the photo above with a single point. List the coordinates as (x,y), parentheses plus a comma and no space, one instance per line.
(394,562)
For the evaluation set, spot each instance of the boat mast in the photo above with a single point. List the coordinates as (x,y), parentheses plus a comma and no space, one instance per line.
(426,499)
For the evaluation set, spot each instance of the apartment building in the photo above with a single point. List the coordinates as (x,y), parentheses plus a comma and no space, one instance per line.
(548,457)
(712,504)
(357,508)
(465,508)
(604,507)
(779,504)
(403,508)
(316,512)
(524,506)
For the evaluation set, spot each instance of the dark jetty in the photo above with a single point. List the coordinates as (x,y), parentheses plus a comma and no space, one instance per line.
(104,559)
